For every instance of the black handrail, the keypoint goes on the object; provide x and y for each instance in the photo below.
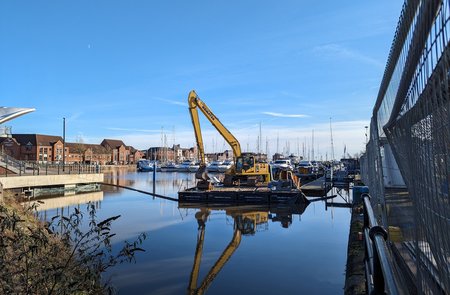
(379, 270)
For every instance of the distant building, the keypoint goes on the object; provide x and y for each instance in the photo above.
(48, 148)
(118, 150)
(135, 155)
(226, 155)
(33, 147)
(172, 154)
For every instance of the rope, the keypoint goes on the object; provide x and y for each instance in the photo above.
(141, 191)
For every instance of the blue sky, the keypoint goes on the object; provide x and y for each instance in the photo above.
(123, 69)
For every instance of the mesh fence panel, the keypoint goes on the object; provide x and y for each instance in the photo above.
(412, 111)
(421, 139)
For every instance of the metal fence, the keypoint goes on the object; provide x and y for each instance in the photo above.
(412, 116)
(377, 259)
(13, 167)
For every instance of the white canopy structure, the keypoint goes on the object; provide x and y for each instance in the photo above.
(7, 113)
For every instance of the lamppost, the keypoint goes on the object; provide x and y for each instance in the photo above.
(64, 142)
(366, 133)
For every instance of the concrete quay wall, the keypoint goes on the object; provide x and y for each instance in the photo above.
(49, 180)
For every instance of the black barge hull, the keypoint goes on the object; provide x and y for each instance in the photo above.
(242, 196)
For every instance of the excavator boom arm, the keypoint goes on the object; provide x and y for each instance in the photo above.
(194, 102)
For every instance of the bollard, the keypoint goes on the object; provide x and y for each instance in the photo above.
(154, 177)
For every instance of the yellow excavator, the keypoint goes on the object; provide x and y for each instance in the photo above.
(245, 223)
(246, 170)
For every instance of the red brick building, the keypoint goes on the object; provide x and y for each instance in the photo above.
(173, 154)
(118, 151)
(47, 148)
(33, 147)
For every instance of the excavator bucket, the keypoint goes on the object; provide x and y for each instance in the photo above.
(201, 173)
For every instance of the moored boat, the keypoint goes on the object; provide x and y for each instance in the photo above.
(214, 167)
(225, 166)
(144, 165)
(169, 167)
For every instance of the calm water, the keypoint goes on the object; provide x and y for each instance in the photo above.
(258, 250)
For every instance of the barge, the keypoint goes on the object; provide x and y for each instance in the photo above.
(244, 195)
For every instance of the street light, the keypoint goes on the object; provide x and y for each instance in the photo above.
(64, 142)
(366, 133)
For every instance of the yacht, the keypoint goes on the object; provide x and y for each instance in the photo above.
(214, 167)
(284, 164)
(144, 165)
(169, 167)
(194, 167)
(225, 166)
(184, 166)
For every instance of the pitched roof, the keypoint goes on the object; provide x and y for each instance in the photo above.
(112, 143)
(36, 139)
(132, 149)
(47, 139)
(97, 148)
(77, 147)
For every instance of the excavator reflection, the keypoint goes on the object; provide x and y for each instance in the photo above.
(247, 221)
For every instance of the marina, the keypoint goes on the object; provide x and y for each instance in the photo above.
(173, 227)
(270, 154)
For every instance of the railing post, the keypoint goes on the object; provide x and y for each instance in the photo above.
(6, 170)
(379, 273)
(378, 276)
(46, 168)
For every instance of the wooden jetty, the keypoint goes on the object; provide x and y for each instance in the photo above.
(247, 195)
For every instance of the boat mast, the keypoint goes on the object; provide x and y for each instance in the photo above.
(332, 148)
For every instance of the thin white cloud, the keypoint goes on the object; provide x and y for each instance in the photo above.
(171, 101)
(336, 50)
(74, 116)
(273, 114)
(134, 130)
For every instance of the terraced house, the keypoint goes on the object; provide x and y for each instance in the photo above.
(49, 148)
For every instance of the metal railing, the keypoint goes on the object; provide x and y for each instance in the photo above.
(9, 163)
(14, 167)
(378, 263)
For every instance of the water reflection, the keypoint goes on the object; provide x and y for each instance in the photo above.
(61, 202)
(167, 183)
(222, 249)
(247, 221)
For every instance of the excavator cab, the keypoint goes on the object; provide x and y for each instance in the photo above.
(250, 171)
